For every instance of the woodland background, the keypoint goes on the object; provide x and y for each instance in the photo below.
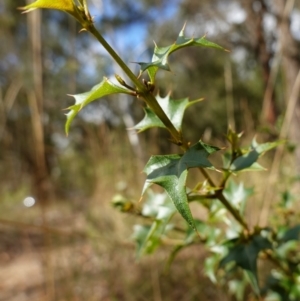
(71, 244)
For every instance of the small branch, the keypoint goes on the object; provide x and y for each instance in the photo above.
(232, 210)
(276, 262)
(207, 177)
(141, 90)
(219, 195)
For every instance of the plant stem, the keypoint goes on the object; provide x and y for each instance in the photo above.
(232, 210)
(116, 57)
(154, 105)
(141, 89)
(219, 195)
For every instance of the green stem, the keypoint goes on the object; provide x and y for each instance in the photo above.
(232, 210)
(219, 195)
(154, 105)
(116, 57)
(141, 89)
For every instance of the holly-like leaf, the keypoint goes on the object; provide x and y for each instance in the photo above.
(161, 54)
(170, 172)
(191, 236)
(161, 208)
(279, 285)
(237, 194)
(174, 109)
(291, 234)
(251, 156)
(245, 253)
(140, 234)
(106, 87)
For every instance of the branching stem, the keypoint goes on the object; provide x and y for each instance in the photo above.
(154, 105)
(219, 195)
(141, 89)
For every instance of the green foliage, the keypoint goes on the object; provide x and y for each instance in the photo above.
(174, 109)
(244, 251)
(234, 245)
(106, 87)
(159, 208)
(252, 155)
(161, 54)
(170, 172)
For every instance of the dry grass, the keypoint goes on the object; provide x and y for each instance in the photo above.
(81, 249)
(89, 257)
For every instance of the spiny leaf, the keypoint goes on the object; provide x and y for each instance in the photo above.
(237, 194)
(245, 253)
(140, 234)
(174, 109)
(106, 87)
(161, 54)
(191, 235)
(251, 156)
(162, 209)
(291, 234)
(170, 172)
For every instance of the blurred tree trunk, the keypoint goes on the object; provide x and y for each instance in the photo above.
(256, 11)
(291, 65)
(41, 178)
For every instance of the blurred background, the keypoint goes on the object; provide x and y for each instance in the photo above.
(60, 238)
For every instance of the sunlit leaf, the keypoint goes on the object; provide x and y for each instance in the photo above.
(170, 172)
(140, 234)
(106, 87)
(191, 235)
(237, 194)
(161, 54)
(160, 207)
(174, 109)
(67, 6)
(251, 156)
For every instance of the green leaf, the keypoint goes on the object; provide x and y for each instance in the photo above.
(264, 147)
(245, 253)
(174, 109)
(252, 279)
(191, 235)
(277, 283)
(291, 234)
(152, 239)
(161, 54)
(256, 150)
(170, 172)
(106, 87)
(162, 209)
(140, 234)
(245, 160)
(237, 194)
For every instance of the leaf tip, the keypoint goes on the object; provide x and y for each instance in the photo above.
(25, 10)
